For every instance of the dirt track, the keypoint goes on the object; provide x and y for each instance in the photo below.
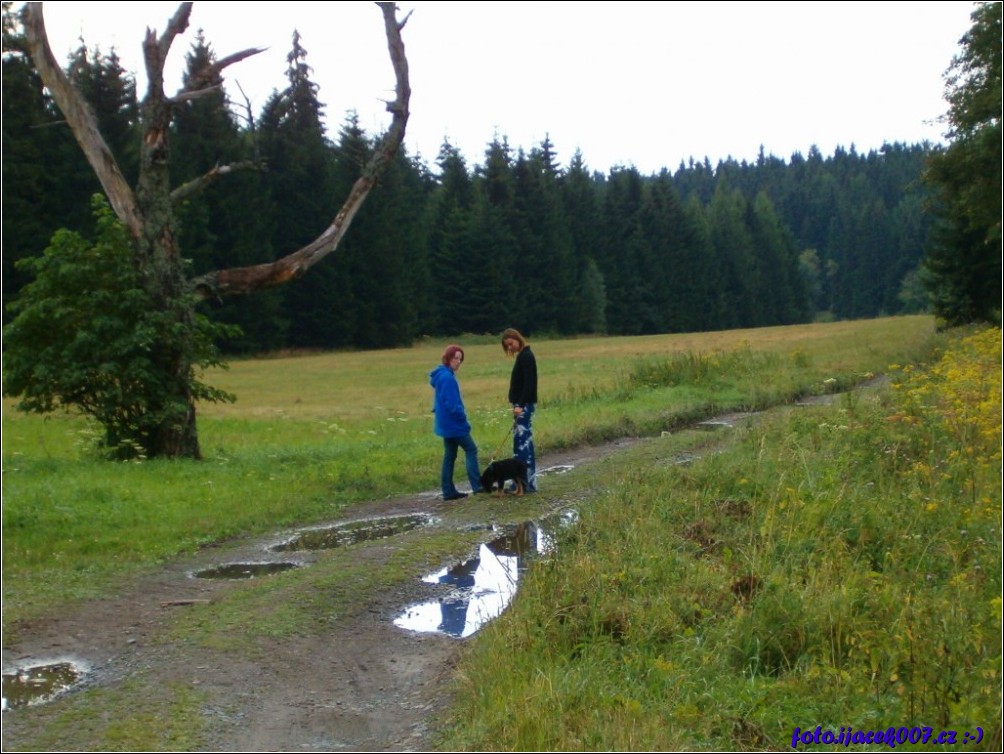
(359, 684)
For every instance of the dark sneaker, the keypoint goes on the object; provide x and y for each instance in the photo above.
(455, 496)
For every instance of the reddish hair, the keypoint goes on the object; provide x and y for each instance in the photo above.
(450, 352)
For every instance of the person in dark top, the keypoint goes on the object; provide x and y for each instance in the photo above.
(523, 399)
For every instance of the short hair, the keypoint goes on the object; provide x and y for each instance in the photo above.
(450, 352)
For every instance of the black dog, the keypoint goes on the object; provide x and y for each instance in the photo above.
(500, 472)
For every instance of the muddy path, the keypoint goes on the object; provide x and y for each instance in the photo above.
(349, 680)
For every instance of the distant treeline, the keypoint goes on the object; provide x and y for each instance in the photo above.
(517, 239)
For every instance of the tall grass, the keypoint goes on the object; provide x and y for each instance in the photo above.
(310, 435)
(832, 566)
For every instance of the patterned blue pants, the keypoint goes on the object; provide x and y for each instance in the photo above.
(522, 444)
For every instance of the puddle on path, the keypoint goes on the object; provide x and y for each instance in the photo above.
(37, 684)
(351, 533)
(728, 421)
(484, 585)
(244, 570)
(561, 469)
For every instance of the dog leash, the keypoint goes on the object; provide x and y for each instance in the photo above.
(506, 437)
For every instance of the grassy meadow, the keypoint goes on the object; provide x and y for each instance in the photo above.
(826, 565)
(831, 567)
(311, 434)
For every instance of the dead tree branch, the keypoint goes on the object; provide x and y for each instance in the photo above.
(155, 50)
(208, 79)
(81, 119)
(242, 280)
(196, 185)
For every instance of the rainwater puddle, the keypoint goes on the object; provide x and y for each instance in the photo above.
(562, 469)
(728, 421)
(481, 587)
(243, 570)
(351, 533)
(714, 424)
(38, 684)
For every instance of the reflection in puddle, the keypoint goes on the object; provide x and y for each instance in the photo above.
(243, 570)
(38, 684)
(483, 586)
(351, 533)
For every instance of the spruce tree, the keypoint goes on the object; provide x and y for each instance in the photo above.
(623, 250)
(36, 199)
(683, 265)
(784, 296)
(301, 190)
(227, 224)
(449, 213)
(384, 254)
(545, 249)
(733, 248)
(495, 293)
(964, 262)
(580, 199)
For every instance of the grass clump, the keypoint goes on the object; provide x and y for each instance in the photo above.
(830, 566)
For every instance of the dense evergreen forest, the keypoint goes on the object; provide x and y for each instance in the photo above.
(475, 244)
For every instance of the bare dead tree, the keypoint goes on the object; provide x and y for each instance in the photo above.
(147, 212)
(85, 129)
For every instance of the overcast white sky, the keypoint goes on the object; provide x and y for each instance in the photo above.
(629, 83)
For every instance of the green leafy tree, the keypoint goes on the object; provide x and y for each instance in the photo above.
(86, 335)
(149, 215)
(963, 266)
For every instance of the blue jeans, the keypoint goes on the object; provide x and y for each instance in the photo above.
(522, 444)
(450, 446)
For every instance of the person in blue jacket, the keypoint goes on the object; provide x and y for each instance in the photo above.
(451, 423)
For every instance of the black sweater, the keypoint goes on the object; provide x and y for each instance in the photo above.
(523, 383)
